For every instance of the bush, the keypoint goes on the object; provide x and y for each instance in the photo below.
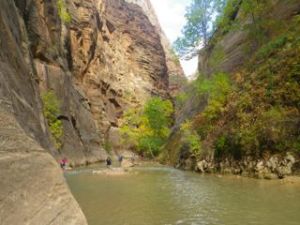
(63, 11)
(51, 112)
(226, 19)
(147, 129)
(107, 146)
(270, 47)
(181, 99)
(225, 146)
(217, 90)
(191, 138)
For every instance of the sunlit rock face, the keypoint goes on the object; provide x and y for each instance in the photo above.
(107, 58)
(176, 74)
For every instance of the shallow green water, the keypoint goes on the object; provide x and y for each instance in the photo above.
(165, 196)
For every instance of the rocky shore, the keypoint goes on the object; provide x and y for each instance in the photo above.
(273, 167)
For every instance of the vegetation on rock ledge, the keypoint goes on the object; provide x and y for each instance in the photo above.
(63, 13)
(51, 109)
(256, 110)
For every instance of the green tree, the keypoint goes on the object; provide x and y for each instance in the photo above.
(200, 16)
(158, 113)
(227, 15)
(148, 128)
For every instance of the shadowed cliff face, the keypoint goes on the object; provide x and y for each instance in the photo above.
(33, 190)
(228, 52)
(106, 58)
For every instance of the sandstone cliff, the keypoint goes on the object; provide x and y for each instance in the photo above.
(108, 57)
(176, 74)
(99, 57)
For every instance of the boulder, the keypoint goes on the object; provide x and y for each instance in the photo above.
(202, 166)
(126, 163)
(273, 163)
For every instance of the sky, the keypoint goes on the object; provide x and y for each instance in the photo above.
(171, 17)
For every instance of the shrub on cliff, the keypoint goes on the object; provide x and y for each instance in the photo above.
(190, 137)
(261, 114)
(63, 13)
(146, 129)
(51, 111)
(216, 90)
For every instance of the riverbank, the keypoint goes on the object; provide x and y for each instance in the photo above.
(272, 167)
(283, 167)
(117, 170)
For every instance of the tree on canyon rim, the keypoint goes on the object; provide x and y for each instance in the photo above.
(200, 17)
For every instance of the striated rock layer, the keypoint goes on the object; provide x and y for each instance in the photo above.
(99, 57)
(176, 74)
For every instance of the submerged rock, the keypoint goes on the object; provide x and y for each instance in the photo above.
(127, 163)
(111, 171)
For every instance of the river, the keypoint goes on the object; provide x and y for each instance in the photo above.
(157, 195)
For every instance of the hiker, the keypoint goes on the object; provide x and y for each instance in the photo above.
(132, 158)
(120, 159)
(63, 163)
(108, 162)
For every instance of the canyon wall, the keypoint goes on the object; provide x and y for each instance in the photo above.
(176, 74)
(98, 58)
(251, 128)
(107, 58)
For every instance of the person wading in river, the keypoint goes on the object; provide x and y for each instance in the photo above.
(120, 159)
(108, 162)
(63, 163)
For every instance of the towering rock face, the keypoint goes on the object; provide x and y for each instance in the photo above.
(108, 57)
(99, 57)
(176, 74)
